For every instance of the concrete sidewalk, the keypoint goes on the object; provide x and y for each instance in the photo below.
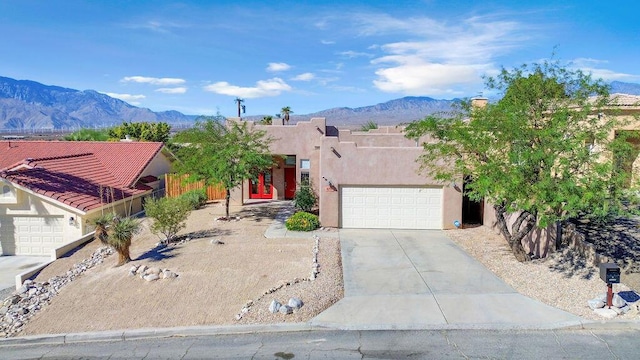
(277, 229)
(419, 279)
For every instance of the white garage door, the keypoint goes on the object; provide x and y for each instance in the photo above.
(391, 207)
(30, 235)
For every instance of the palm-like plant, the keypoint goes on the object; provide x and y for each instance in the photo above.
(121, 233)
(267, 120)
(101, 223)
(285, 113)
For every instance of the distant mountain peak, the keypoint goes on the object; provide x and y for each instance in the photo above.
(26, 104)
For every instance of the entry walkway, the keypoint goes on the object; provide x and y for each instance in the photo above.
(419, 279)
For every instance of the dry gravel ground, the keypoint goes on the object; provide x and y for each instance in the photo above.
(214, 283)
(562, 280)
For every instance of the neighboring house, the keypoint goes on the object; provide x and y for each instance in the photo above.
(362, 179)
(50, 190)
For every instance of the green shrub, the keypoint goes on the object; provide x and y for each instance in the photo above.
(169, 215)
(305, 199)
(195, 198)
(302, 221)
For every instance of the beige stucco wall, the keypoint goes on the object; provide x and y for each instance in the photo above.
(29, 204)
(380, 157)
(353, 165)
(302, 140)
(158, 166)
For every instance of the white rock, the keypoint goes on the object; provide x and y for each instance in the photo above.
(285, 309)
(168, 274)
(606, 313)
(275, 306)
(141, 269)
(133, 269)
(618, 301)
(151, 277)
(595, 304)
(295, 303)
(153, 270)
(621, 310)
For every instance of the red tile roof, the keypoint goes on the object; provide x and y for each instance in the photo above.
(79, 174)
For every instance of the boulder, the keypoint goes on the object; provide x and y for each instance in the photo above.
(295, 303)
(141, 269)
(168, 274)
(606, 313)
(275, 306)
(285, 309)
(153, 270)
(151, 277)
(618, 301)
(595, 304)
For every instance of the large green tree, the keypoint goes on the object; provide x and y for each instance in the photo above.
(220, 153)
(542, 154)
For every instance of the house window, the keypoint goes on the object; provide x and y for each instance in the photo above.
(305, 165)
(290, 160)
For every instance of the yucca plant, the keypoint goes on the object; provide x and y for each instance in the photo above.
(101, 223)
(120, 235)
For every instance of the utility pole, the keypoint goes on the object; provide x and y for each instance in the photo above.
(240, 106)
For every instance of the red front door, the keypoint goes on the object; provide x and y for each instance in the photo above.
(289, 183)
(262, 187)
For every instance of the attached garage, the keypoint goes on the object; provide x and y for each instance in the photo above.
(30, 235)
(391, 207)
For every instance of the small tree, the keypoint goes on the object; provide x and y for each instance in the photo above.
(267, 120)
(168, 214)
(223, 154)
(529, 154)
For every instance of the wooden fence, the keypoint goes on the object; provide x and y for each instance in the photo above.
(175, 186)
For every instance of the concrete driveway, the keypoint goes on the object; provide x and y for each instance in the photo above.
(10, 266)
(419, 279)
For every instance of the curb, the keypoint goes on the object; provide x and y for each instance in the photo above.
(189, 331)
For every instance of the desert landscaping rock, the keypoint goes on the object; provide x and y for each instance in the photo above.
(295, 303)
(274, 306)
(595, 304)
(32, 296)
(285, 309)
(606, 313)
(106, 298)
(151, 277)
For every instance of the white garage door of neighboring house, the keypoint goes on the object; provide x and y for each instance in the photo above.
(391, 207)
(30, 235)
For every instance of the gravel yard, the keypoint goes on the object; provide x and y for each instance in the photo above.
(562, 280)
(215, 280)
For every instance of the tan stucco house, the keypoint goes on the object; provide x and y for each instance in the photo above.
(49, 190)
(363, 179)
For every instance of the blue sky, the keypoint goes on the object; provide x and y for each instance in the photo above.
(198, 56)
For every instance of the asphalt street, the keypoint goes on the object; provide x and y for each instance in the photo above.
(341, 344)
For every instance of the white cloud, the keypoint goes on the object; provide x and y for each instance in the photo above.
(354, 54)
(304, 77)
(176, 90)
(327, 42)
(131, 99)
(263, 88)
(593, 66)
(275, 67)
(153, 80)
(443, 59)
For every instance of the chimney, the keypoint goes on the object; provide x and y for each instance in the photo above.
(479, 101)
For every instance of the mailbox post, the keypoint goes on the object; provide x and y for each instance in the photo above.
(610, 273)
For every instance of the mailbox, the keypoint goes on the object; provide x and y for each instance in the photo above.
(610, 273)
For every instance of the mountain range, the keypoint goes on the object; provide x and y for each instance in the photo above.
(26, 104)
